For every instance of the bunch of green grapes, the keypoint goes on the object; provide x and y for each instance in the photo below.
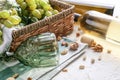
(34, 10)
(9, 18)
(46, 7)
(1, 37)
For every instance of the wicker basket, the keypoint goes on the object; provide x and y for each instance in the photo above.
(60, 24)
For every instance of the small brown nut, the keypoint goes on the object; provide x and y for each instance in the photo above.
(81, 67)
(93, 44)
(59, 38)
(10, 78)
(63, 43)
(64, 70)
(101, 49)
(29, 78)
(77, 34)
(66, 44)
(74, 46)
(98, 48)
(94, 48)
(99, 59)
(109, 51)
(15, 75)
(84, 58)
(64, 52)
(92, 61)
(71, 46)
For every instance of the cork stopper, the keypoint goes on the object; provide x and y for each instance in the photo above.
(85, 39)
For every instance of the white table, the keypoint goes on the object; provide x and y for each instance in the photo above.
(106, 69)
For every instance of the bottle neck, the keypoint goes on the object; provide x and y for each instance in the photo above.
(93, 24)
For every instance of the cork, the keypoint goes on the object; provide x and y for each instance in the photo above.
(85, 39)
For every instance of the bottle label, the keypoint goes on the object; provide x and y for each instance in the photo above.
(113, 32)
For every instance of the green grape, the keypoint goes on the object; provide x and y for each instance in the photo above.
(1, 41)
(36, 13)
(2, 21)
(4, 14)
(43, 2)
(47, 7)
(8, 23)
(0, 15)
(30, 2)
(1, 33)
(55, 12)
(23, 5)
(14, 19)
(39, 6)
(25, 12)
(34, 19)
(33, 7)
(41, 11)
(18, 18)
(19, 1)
(48, 13)
(37, 2)
(46, 1)
(13, 11)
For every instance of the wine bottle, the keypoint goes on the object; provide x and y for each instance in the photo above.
(107, 26)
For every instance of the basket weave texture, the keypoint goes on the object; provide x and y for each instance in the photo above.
(60, 24)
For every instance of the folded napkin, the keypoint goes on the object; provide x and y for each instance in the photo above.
(7, 39)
